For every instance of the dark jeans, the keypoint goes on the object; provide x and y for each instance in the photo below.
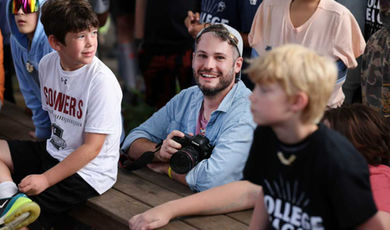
(161, 72)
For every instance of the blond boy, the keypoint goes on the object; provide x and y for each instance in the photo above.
(312, 177)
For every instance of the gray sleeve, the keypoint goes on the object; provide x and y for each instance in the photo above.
(100, 6)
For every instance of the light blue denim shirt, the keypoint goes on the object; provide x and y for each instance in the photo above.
(230, 130)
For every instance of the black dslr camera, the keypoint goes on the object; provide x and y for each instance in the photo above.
(194, 149)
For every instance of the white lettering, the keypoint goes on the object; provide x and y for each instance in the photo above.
(269, 203)
(296, 216)
(286, 213)
(278, 208)
(276, 223)
(305, 221)
(287, 227)
(316, 223)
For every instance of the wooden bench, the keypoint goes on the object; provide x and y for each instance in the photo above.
(134, 192)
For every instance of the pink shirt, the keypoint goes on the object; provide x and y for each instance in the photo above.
(380, 185)
(331, 31)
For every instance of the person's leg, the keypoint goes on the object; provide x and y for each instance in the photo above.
(16, 209)
(6, 165)
(184, 73)
(9, 72)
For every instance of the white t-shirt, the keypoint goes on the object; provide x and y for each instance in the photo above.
(87, 100)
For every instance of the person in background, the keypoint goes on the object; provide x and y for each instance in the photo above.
(369, 132)
(351, 87)
(9, 70)
(166, 50)
(28, 45)
(375, 72)
(123, 15)
(323, 25)
(1, 71)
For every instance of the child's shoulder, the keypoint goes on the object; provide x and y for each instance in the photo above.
(336, 148)
(48, 59)
(100, 71)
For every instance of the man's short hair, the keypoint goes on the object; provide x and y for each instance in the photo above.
(62, 16)
(225, 33)
(297, 69)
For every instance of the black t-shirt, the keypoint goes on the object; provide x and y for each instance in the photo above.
(326, 186)
(373, 18)
(165, 31)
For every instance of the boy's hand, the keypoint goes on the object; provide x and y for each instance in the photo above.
(33, 184)
(151, 219)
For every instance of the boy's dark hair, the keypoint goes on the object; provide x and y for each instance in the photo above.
(365, 128)
(62, 16)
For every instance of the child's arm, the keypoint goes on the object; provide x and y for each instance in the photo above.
(259, 218)
(230, 197)
(376, 222)
(35, 184)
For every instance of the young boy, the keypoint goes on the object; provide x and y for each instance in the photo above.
(312, 177)
(82, 97)
(28, 45)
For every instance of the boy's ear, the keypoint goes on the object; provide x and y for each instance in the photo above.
(299, 101)
(54, 43)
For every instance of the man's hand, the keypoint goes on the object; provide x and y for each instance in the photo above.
(192, 23)
(151, 219)
(34, 184)
(159, 167)
(169, 147)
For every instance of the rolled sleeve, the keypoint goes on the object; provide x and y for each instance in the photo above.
(153, 129)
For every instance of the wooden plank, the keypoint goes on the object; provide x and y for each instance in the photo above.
(11, 129)
(121, 207)
(242, 216)
(153, 195)
(16, 113)
(143, 190)
(163, 181)
(95, 219)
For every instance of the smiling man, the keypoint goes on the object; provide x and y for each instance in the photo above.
(217, 108)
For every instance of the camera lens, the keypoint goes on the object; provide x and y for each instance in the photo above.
(181, 162)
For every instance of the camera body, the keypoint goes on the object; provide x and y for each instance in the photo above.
(194, 149)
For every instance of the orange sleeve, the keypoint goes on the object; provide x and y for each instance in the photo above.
(1, 69)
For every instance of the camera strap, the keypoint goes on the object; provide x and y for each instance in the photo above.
(146, 158)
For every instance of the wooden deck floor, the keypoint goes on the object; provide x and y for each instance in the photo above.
(133, 193)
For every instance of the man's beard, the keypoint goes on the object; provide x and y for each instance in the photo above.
(223, 83)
